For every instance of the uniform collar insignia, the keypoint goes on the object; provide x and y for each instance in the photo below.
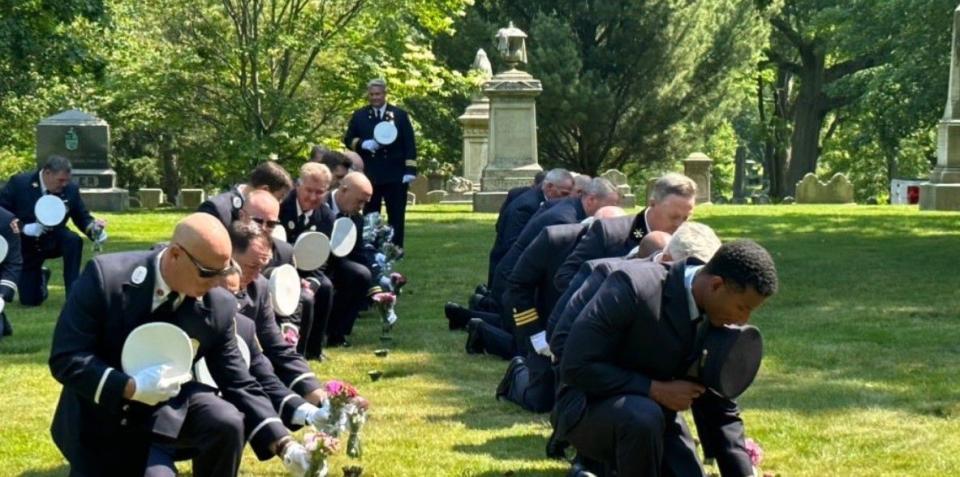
(638, 233)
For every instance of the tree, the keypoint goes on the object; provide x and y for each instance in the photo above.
(619, 74)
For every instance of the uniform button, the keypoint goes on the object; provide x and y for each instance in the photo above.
(123, 422)
(126, 407)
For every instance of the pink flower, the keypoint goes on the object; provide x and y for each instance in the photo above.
(398, 280)
(336, 388)
(754, 451)
(291, 336)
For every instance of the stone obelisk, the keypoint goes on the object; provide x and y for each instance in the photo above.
(943, 190)
(512, 149)
(475, 122)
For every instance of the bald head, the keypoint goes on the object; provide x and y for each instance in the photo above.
(261, 204)
(652, 243)
(200, 242)
(354, 192)
(609, 212)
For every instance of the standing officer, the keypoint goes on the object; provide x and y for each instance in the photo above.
(9, 266)
(40, 243)
(109, 422)
(390, 167)
(626, 357)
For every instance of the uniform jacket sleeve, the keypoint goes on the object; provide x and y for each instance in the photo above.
(721, 433)
(522, 283)
(595, 338)
(13, 263)
(589, 247)
(351, 138)
(290, 367)
(73, 360)
(409, 143)
(285, 401)
(227, 367)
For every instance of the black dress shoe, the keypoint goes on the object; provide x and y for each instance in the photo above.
(5, 326)
(457, 316)
(504, 387)
(474, 339)
(578, 470)
(556, 448)
(338, 342)
(482, 290)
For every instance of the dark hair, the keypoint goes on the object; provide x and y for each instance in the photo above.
(56, 164)
(537, 179)
(334, 159)
(270, 175)
(316, 152)
(744, 263)
(245, 232)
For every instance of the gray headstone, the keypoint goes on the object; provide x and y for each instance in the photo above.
(76, 135)
(191, 198)
(150, 198)
(811, 191)
(419, 187)
(434, 197)
(788, 200)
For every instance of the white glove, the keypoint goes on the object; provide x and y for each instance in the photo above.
(539, 342)
(102, 237)
(370, 145)
(34, 230)
(153, 385)
(309, 414)
(2, 304)
(296, 459)
(408, 178)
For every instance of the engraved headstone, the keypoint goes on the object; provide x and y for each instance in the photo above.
(619, 179)
(84, 140)
(419, 187)
(697, 167)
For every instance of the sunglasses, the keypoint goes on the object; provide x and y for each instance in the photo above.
(267, 224)
(205, 272)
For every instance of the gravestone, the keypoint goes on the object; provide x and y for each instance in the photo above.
(811, 190)
(419, 187)
(697, 167)
(512, 150)
(434, 197)
(943, 190)
(411, 198)
(619, 180)
(84, 140)
(150, 198)
(475, 122)
(191, 198)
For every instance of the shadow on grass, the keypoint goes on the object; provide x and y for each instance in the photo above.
(55, 472)
(508, 447)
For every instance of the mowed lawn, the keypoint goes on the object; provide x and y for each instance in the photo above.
(860, 375)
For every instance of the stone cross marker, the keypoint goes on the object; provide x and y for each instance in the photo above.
(943, 190)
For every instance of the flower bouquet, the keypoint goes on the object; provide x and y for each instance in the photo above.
(320, 446)
(385, 302)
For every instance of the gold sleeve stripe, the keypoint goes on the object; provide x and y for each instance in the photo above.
(527, 319)
(523, 314)
(411, 163)
(353, 144)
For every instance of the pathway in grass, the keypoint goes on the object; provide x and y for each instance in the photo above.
(859, 377)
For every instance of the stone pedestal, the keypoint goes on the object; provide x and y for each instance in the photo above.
(85, 140)
(512, 152)
(191, 198)
(697, 167)
(943, 190)
(475, 122)
(150, 198)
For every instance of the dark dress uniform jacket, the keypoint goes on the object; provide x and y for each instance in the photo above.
(96, 429)
(289, 366)
(582, 288)
(356, 253)
(636, 329)
(514, 219)
(613, 237)
(389, 163)
(530, 288)
(10, 266)
(320, 219)
(285, 401)
(225, 206)
(21, 194)
(564, 211)
(499, 248)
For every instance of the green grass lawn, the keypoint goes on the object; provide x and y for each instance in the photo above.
(860, 375)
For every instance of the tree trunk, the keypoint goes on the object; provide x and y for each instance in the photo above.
(171, 174)
(808, 115)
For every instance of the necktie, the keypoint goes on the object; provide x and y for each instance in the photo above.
(168, 306)
(305, 219)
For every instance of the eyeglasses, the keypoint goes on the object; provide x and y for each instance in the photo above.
(267, 224)
(205, 272)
